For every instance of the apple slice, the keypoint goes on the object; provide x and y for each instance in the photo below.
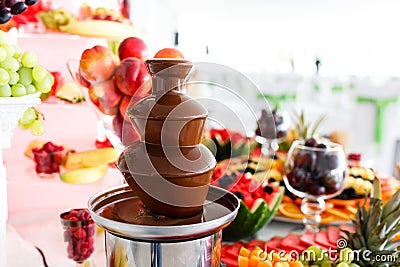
(84, 175)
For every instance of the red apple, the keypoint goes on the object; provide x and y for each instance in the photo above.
(125, 130)
(125, 103)
(58, 81)
(97, 64)
(132, 47)
(169, 53)
(130, 75)
(105, 96)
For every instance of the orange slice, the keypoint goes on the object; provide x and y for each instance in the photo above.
(243, 261)
(343, 202)
(340, 213)
(244, 252)
(291, 210)
(351, 209)
(327, 218)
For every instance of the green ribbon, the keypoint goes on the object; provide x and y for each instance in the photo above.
(277, 99)
(381, 105)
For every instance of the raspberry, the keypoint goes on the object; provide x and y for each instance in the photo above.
(354, 156)
(79, 238)
(80, 233)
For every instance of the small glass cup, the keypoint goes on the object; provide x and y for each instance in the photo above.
(48, 164)
(79, 230)
(314, 173)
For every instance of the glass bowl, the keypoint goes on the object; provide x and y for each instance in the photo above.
(110, 103)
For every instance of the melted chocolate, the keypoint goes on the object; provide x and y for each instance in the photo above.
(132, 210)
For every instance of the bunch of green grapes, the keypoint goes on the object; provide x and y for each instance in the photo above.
(32, 119)
(20, 75)
(315, 257)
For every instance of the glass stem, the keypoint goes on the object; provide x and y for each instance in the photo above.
(312, 209)
(269, 148)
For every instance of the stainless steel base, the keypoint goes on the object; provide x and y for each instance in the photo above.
(203, 252)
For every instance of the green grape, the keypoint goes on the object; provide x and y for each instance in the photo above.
(30, 89)
(4, 77)
(3, 53)
(343, 264)
(23, 126)
(14, 77)
(29, 59)
(314, 253)
(5, 90)
(10, 50)
(29, 116)
(39, 73)
(10, 63)
(354, 265)
(25, 75)
(17, 51)
(346, 255)
(18, 90)
(326, 264)
(37, 127)
(46, 84)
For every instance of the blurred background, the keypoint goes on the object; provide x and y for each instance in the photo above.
(338, 58)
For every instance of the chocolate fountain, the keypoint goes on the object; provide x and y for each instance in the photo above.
(168, 214)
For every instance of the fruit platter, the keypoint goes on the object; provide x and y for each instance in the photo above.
(340, 245)
(241, 161)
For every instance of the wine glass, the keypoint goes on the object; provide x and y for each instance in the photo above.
(78, 230)
(315, 171)
(110, 104)
(273, 127)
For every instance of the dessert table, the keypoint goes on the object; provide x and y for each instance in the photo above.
(36, 203)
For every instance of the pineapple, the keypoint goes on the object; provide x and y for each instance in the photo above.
(306, 130)
(375, 229)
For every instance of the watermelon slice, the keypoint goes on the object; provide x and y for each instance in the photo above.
(273, 244)
(308, 238)
(292, 242)
(333, 235)
(249, 221)
(321, 239)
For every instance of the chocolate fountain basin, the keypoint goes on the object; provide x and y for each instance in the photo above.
(219, 210)
(160, 241)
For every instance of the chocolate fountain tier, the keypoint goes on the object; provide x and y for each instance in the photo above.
(171, 181)
(172, 119)
(119, 211)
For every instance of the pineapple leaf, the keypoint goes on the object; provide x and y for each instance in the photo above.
(392, 220)
(377, 234)
(317, 124)
(361, 219)
(391, 234)
(375, 212)
(376, 189)
(391, 205)
(393, 245)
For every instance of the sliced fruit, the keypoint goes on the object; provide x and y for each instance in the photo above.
(90, 158)
(243, 261)
(291, 210)
(36, 143)
(249, 221)
(101, 28)
(339, 213)
(70, 92)
(84, 175)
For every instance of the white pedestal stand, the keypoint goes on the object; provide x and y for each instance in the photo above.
(11, 109)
